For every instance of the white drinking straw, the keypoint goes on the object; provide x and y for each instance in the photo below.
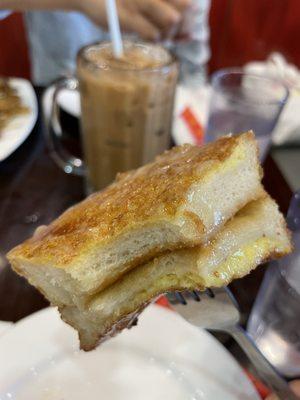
(114, 28)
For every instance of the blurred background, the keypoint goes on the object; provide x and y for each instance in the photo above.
(240, 32)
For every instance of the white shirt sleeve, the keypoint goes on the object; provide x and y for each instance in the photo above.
(193, 49)
(4, 14)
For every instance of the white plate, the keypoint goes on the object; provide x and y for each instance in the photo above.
(162, 358)
(19, 128)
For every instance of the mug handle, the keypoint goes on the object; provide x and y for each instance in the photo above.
(62, 157)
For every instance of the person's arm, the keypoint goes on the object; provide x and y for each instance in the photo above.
(25, 5)
(149, 18)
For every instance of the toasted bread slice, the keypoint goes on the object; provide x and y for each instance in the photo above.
(179, 200)
(256, 234)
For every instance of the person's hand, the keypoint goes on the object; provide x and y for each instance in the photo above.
(151, 19)
(295, 386)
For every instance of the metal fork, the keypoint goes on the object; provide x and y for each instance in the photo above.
(217, 310)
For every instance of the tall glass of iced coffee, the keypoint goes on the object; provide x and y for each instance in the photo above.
(126, 106)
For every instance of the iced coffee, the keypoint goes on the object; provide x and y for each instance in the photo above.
(127, 107)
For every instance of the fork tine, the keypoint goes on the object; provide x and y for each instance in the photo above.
(195, 295)
(180, 298)
(171, 297)
(210, 293)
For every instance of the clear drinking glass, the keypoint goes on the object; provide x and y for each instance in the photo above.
(241, 102)
(274, 322)
(126, 110)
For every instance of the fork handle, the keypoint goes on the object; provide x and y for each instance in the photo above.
(265, 370)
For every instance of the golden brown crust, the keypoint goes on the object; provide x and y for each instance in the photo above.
(194, 218)
(152, 192)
